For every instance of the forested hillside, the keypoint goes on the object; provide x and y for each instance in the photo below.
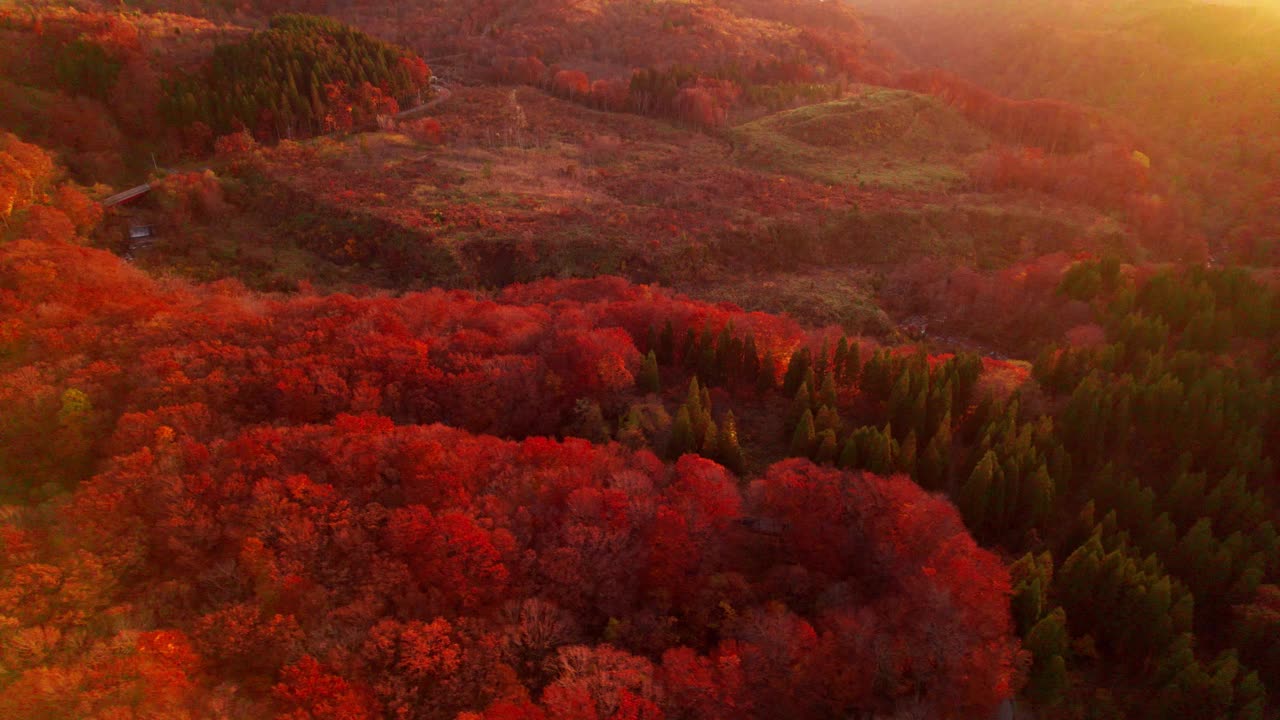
(666, 360)
(258, 493)
(303, 76)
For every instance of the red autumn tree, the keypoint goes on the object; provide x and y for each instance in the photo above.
(451, 555)
(306, 691)
(571, 83)
(49, 224)
(84, 213)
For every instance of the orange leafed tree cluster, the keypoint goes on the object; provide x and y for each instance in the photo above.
(34, 201)
(83, 81)
(573, 83)
(1052, 125)
(1107, 177)
(1009, 306)
(352, 107)
(275, 525)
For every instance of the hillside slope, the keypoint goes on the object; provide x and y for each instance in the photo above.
(608, 37)
(1195, 78)
(673, 361)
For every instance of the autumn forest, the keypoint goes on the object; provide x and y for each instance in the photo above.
(639, 360)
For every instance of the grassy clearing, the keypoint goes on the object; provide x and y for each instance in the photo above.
(820, 296)
(881, 138)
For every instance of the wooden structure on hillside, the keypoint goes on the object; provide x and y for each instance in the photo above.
(127, 195)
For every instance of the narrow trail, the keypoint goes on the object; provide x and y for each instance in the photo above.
(442, 93)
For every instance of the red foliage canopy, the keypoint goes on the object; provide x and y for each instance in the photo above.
(261, 477)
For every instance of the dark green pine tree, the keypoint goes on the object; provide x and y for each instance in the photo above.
(682, 439)
(649, 380)
(797, 369)
(1040, 489)
(1076, 582)
(900, 402)
(976, 494)
(827, 395)
(906, 460)
(698, 402)
(1027, 605)
(707, 369)
(1049, 645)
(917, 422)
(1163, 536)
(799, 406)
(1029, 567)
(804, 438)
(828, 447)
(876, 379)
(1049, 684)
(766, 378)
(710, 445)
(852, 369)
(734, 364)
(693, 400)
(1004, 493)
(1048, 637)
(750, 360)
(317, 102)
(727, 355)
(877, 449)
(849, 454)
(689, 351)
(1250, 697)
(729, 452)
(934, 464)
(839, 358)
(1156, 630)
(826, 419)
(811, 382)
(667, 344)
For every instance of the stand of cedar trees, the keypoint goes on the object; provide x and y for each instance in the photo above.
(303, 76)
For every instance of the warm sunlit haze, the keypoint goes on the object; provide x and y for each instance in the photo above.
(639, 360)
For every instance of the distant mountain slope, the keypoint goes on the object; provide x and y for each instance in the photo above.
(1199, 79)
(598, 35)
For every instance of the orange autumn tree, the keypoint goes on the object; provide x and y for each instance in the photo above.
(35, 200)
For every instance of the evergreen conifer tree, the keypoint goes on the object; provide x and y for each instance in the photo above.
(729, 452)
(649, 380)
(828, 447)
(803, 439)
(682, 438)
